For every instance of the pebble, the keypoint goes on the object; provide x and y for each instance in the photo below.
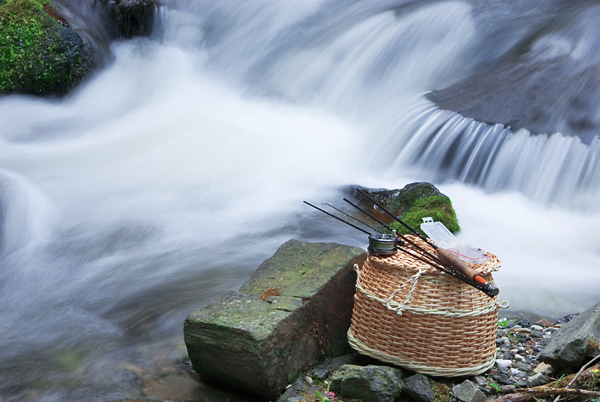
(524, 323)
(537, 380)
(502, 364)
(481, 381)
(518, 345)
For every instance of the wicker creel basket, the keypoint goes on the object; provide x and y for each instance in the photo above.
(412, 315)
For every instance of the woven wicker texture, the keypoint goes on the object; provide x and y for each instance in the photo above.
(412, 315)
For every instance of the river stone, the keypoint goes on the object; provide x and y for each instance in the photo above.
(369, 384)
(418, 388)
(575, 341)
(131, 17)
(466, 391)
(412, 203)
(293, 313)
(537, 380)
(538, 86)
(399, 201)
(50, 63)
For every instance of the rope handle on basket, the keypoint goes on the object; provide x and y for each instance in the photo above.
(401, 307)
(502, 304)
(414, 279)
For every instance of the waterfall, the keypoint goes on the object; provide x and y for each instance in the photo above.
(546, 168)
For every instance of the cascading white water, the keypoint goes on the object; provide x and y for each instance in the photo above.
(547, 168)
(169, 176)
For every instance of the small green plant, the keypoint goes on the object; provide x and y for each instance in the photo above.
(321, 398)
(496, 387)
(555, 383)
(503, 322)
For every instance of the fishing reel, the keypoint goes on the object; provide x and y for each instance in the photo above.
(384, 244)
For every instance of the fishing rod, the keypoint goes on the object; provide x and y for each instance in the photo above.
(384, 209)
(338, 218)
(369, 215)
(447, 257)
(351, 217)
(437, 260)
(449, 271)
(427, 257)
(380, 244)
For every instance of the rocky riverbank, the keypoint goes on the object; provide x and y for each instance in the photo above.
(284, 335)
(274, 331)
(518, 366)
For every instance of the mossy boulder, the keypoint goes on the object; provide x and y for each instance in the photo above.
(39, 53)
(412, 203)
(293, 313)
(437, 207)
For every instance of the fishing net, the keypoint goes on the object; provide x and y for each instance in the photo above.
(415, 316)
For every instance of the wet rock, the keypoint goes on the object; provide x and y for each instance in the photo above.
(523, 366)
(524, 323)
(538, 86)
(290, 395)
(503, 363)
(400, 201)
(576, 341)
(504, 379)
(293, 312)
(566, 319)
(543, 368)
(508, 389)
(320, 373)
(413, 202)
(468, 392)
(481, 381)
(369, 384)
(132, 17)
(537, 380)
(39, 53)
(544, 323)
(418, 388)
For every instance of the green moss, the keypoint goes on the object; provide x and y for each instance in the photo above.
(441, 391)
(300, 269)
(33, 50)
(437, 207)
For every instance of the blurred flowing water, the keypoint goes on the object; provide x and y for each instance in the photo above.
(173, 173)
